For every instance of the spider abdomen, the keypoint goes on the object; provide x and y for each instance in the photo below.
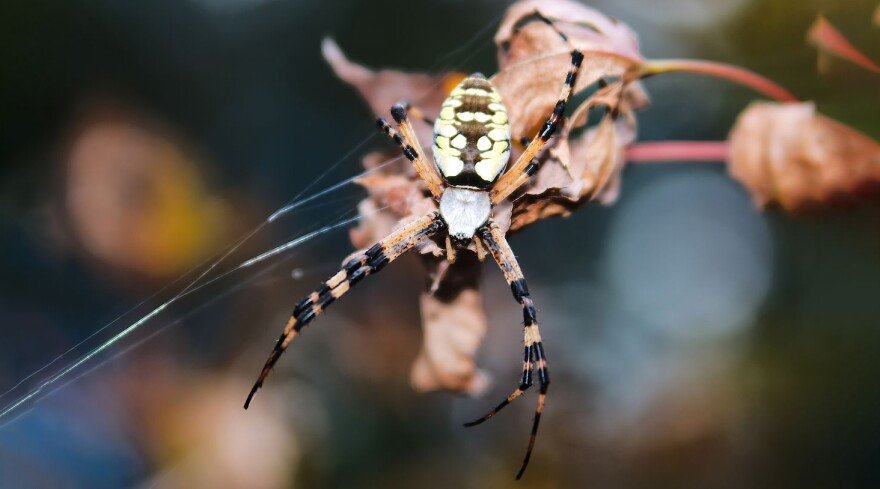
(472, 135)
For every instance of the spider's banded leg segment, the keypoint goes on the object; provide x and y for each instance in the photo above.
(409, 144)
(527, 165)
(426, 169)
(533, 351)
(355, 270)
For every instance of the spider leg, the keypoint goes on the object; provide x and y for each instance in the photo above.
(526, 166)
(533, 352)
(415, 111)
(411, 148)
(355, 270)
(451, 254)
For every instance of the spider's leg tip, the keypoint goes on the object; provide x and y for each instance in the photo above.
(251, 395)
(522, 470)
(398, 112)
(471, 424)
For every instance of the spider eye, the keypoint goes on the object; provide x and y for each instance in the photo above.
(472, 135)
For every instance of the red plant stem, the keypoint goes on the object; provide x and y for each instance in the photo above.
(678, 151)
(721, 70)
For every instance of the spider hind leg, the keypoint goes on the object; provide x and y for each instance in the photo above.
(355, 270)
(533, 349)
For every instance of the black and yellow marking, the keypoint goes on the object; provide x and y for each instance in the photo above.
(407, 149)
(472, 135)
(533, 349)
(355, 270)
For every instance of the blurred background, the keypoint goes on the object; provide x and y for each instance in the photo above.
(694, 341)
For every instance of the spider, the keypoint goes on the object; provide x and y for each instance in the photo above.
(471, 150)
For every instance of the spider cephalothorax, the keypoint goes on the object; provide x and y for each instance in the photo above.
(471, 150)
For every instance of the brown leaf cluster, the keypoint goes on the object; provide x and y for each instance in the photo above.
(787, 154)
(581, 164)
(531, 56)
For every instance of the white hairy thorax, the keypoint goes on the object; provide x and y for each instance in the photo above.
(464, 211)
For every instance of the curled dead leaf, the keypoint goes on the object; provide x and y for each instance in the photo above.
(454, 324)
(789, 155)
(532, 58)
(587, 28)
(597, 159)
(384, 88)
(531, 88)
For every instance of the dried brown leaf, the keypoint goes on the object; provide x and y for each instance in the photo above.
(382, 89)
(597, 159)
(533, 58)
(587, 28)
(454, 324)
(531, 88)
(401, 198)
(787, 154)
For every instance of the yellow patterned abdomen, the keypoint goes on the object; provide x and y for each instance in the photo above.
(472, 135)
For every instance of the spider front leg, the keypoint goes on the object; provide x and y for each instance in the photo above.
(415, 111)
(355, 270)
(533, 351)
(526, 166)
(409, 144)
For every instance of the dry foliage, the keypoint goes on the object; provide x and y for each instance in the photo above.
(782, 153)
(787, 154)
(533, 61)
(791, 156)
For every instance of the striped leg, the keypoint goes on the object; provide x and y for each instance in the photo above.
(533, 351)
(409, 143)
(526, 166)
(355, 270)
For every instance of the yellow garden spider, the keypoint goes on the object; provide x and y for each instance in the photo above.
(471, 149)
